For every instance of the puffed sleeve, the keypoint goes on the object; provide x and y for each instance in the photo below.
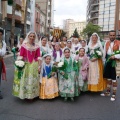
(22, 52)
(37, 56)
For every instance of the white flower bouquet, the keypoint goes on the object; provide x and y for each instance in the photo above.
(20, 65)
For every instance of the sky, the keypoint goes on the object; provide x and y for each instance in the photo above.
(69, 9)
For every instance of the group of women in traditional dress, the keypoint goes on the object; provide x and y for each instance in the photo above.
(82, 70)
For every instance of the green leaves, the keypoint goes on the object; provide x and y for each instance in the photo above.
(75, 34)
(90, 29)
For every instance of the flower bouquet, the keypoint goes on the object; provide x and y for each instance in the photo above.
(97, 54)
(113, 62)
(20, 65)
(61, 67)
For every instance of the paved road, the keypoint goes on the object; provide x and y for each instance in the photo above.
(89, 106)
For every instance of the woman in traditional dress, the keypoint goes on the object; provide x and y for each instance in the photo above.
(2, 65)
(63, 42)
(20, 43)
(69, 88)
(44, 47)
(48, 80)
(27, 87)
(83, 61)
(54, 41)
(96, 82)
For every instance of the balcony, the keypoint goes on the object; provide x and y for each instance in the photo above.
(17, 18)
(94, 16)
(37, 20)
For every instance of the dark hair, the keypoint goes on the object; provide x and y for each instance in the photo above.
(95, 35)
(112, 31)
(1, 30)
(65, 37)
(66, 49)
(55, 38)
(81, 49)
(43, 38)
(83, 41)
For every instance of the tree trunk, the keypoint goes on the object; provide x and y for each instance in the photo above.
(13, 24)
(25, 19)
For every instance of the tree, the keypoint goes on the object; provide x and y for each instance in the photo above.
(25, 19)
(90, 29)
(13, 24)
(76, 34)
(63, 33)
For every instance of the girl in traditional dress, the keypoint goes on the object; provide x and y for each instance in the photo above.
(57, 53)
(28, 86)
(95, 79)
(48, 80)
(84, 45)
(76, 45)
(69, 88)
(83, 69)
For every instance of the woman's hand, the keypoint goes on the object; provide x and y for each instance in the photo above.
(53, 73)
(39, 69)
(62, 73)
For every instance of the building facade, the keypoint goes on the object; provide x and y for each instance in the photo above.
(37, 19)
(73, 25)
(66, 24)
(47, 7)
(103, 13)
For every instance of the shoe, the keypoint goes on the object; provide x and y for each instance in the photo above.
(1, 97)
(113, 98)
(65, 99)
(105, 94)
(72, 99)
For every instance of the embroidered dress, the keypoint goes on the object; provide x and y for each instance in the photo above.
(48, 86)
(69, 87)
(95, 78)
(83, 72)
(28, 86)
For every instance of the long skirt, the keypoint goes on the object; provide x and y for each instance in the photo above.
(69, 87)
(101, 85)
(16, 83)
(83, 84)
(28, 85)
(48, 88)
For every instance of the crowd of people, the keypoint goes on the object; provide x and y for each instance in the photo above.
(66, 67)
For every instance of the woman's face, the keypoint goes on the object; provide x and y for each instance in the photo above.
(54, 39)
(57, 47)
(83, 43)
(94, 39)
(67, 53)
(81, 52)
(44, 41)
(47, 60)
(31, 38)
(76, 41)
(21, 40)
(69, 44)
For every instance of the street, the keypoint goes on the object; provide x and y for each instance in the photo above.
(89, 106)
